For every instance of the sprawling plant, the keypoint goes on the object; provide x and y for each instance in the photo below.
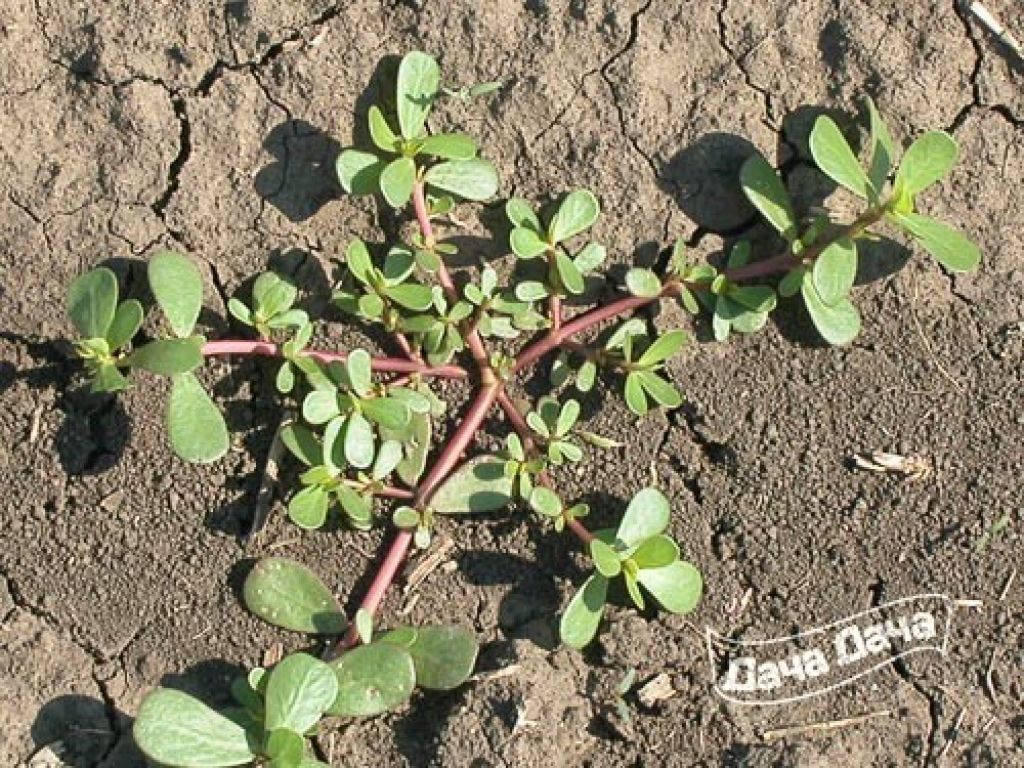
(368, 423)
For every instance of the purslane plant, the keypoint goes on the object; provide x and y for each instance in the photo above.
(368, 424)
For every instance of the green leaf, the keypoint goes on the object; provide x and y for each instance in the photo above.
(358, 261)
(647, 515)
(676, 586)
(443, 657)
(526, 243)
(373, 679)
(636, 400)
(949, 247)
(172, 728)
(396, 181)
(197, 429)
(568, 273)
(289, 595)
(925, 162)
(633, 588)
(359, 368)
(286, 748)
(473, 179)
(577, 212)
(656, 552)
(883, 152)
(412, 296)
(583, 614)
(835, 270)
(643, 282)
(545, 501)
(389, 412)
(479, 485)
(415, 450)
(790, 284)
(359, 441)
(358, 508)
(665, 347)
(320, 406)
(451, 146)
(418, 81)
(168, 356)
(92, 301)
(299, 691)
(756, 298)
(606, 560)
(661, 391)
(308, 508)
(766, 192)
(126, 323)
(521, 214)
(531, 290)
(388, 457)
(590, 257)
(380, 131)
(835, 158)
(178, 289)
(364, 625)
(109, 379)
(302, 443)
(359, 172)
(837, 324)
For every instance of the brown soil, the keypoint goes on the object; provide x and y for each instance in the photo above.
(213, 129)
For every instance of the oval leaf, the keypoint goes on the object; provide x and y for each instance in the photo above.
(92, 301)
(178, 288)
(299, 691)
(473, 179)
(583, 615)
(197, 429)
(359, 172)
(479, 485)
(373, 679)
(443, 657)
(925, 162)
(167, 357)
(289, 595)
(577, 212)
(949, 247)
(396, 181)
(833, 155)
(765, 190)
(126, 323)
(835, 270)
(451, 146)
(647, 515)
(418, 80)
(643, 282)
(837, 324)
(172, 728)
(677, 587)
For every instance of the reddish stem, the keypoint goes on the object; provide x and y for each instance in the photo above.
(384, 364)
(381, 581)
(587, 320)
(555, 310)
(389, 491)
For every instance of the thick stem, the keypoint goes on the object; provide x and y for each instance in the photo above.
(457, 444)
(390, 492)
(383, 364)
(381, 581)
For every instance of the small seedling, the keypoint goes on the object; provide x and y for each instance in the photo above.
(367, 442)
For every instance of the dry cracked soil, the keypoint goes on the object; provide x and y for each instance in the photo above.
(212, 128)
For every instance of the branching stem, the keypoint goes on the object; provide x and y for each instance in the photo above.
(381, 364)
